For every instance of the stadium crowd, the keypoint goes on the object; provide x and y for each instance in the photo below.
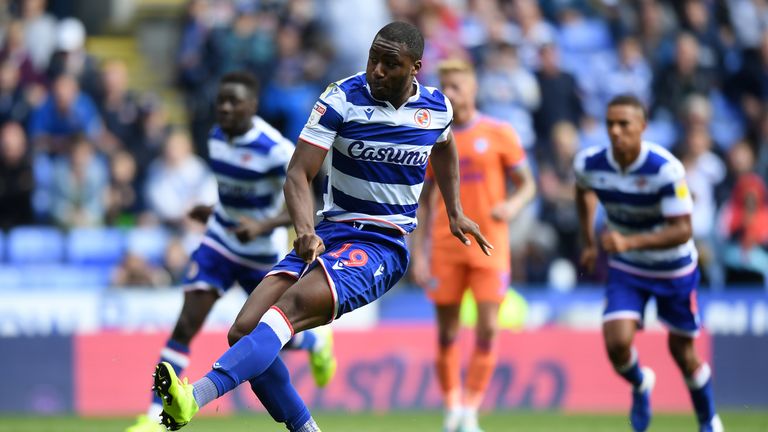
(80, 148)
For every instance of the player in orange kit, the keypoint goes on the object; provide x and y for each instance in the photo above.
(489, 154)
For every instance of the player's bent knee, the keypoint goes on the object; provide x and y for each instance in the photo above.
(235, 334)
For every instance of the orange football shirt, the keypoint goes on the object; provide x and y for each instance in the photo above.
(487, 149)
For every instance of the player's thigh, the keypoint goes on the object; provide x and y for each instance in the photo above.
(449, 282)
(488, 285)
(487, 321)
(678, 306)
(308, 302)
(625, 297)
(264, 296)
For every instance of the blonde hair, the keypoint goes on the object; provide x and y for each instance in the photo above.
(455, 65)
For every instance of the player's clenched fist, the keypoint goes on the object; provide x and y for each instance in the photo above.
(614, 242)
(462, 225)
(308, 247)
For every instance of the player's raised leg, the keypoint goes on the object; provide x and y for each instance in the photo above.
(307, 303)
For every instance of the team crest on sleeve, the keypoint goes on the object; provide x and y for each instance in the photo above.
(422, 118)
(317, 112)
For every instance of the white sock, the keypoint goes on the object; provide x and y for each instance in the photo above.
(452, 419)
(154, 411)
(469, 418)
(700, 377)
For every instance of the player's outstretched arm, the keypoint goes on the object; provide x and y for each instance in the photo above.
(586, 205)
(445, 163)
(302, 169)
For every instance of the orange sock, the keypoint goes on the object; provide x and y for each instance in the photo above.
(481, 367)
(449, 374)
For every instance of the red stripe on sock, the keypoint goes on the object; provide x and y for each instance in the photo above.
(284, 318)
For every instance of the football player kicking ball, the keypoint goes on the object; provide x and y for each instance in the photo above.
(642, 188)
(380, 128)
(489, 154)
(245, 236)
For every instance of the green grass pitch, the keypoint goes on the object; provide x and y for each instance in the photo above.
(747, 421)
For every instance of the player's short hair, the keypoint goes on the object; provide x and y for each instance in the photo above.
(246, 79)
(404, 33)
(628, 100)
(455, 65)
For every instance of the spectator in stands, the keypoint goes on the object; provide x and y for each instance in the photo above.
(123, 200)
(294, 86)
(560, 101)
(507, 91)
(193, 74)
(704, 172)
(177, 181)
(678, 81)
(136, 272)
(558, 188)
(698, 19)
(749, 20)
(80, 183)
(175, 261)
(71, 58)
(248, 44)
(532, 31)
(119, 106)
(744, 225)
(630, 74)
(656, 27)
(40, 31)
(749, 87)
(66, 112)
(16, 53)
(16, 177)
(13, 101)
(761, 147)
(441, 29)
(155, 130)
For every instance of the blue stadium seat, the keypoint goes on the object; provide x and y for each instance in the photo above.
(95, 246)
(65, 276)
(10, 277)
(2, 246)
(33, 244)
(148, 242)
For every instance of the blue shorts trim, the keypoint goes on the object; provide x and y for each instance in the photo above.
(628, 294)
(360, 266)
(208, 269)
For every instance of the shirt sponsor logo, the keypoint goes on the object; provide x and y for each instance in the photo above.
(358, 150)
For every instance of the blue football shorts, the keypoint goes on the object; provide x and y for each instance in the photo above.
(360, 265)
(627, 295)
(209, 268)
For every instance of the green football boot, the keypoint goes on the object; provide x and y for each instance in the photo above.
(179, 405)
(145, 424)
(322, 362)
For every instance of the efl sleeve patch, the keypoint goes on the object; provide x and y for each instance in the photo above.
(317, 112)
